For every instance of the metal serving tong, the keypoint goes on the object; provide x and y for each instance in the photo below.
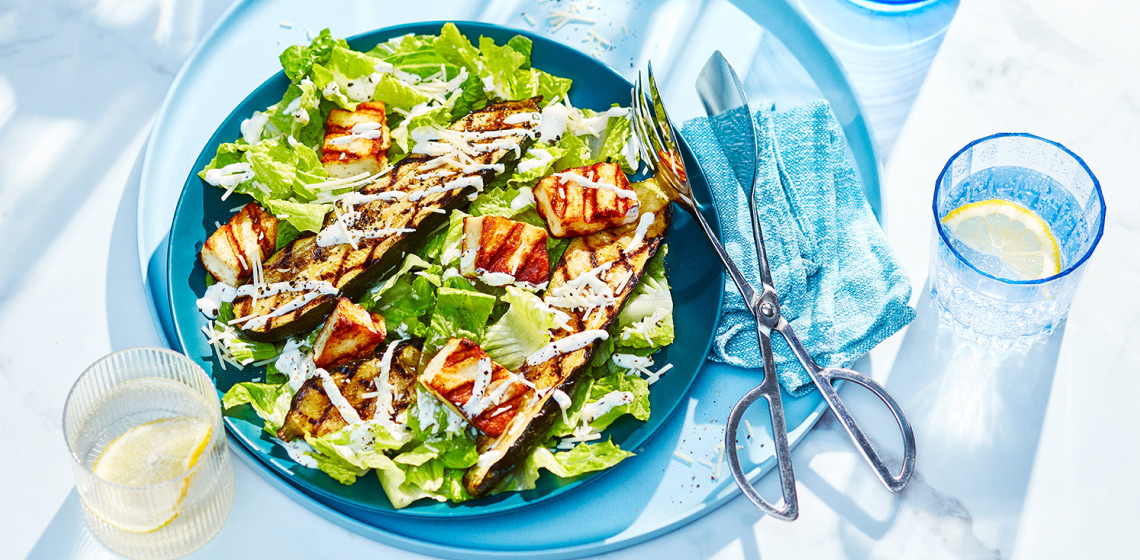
(724, 98)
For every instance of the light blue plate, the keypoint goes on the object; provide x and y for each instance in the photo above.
(694, 273)
(649, 494)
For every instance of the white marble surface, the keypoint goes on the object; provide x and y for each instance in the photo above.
(1022, 455)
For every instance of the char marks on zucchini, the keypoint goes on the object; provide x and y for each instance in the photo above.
(500, 454)
(352, 269)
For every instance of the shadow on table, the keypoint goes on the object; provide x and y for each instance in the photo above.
(977, 415)
(67, 536)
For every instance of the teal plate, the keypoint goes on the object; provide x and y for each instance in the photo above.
(693, 271)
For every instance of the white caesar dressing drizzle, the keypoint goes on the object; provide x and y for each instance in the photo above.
(385, 392)
(455, 184)
(339, 235)
(639, 234)
(312, 289)
(495, 278)
(529, 118)
(220, 292)
(597, 409)
(596, 124)
(540, 160)
(294, 363)
(564, 403)
(554, 121)
(298, 452)
(525, 198)
(570, 177)
(337, 398)
(360, 131)
(477, 403)
(230, 176)
(571, 343)
(252, 127)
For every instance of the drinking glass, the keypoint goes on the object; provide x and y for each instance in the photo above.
(126, 389)
(1038, 174)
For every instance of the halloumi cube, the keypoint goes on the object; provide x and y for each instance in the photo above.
(501, 251)
(356, 141)
(484, 393)
(586, 200)
(229, 252)
(350, 332)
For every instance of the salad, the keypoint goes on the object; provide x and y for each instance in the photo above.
(443, 268)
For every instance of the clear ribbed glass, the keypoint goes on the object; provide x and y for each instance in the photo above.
(973, 293)
(126, 389)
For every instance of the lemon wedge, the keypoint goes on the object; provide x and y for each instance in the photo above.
(147, 455)
(1009, 231)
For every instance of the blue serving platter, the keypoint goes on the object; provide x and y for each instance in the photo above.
(649, 494)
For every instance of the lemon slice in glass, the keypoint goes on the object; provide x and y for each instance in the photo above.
(1009, 231)
(147, 456)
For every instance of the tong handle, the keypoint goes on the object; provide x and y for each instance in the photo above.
(769, 390)
(823, 378)
(789, 511)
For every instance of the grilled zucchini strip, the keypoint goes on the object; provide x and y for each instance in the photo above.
(313, 414)
(626, 260)
(410, 217)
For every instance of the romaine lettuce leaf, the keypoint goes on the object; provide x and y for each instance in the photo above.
(298, 114)
(576, 152)
(615, 143)
(584, 458)
(298, 59)
(646, 321)
(536, 163)
(270, 402)
(521, 331)
(348, 69)
(300, 215)
(404, 298)
(396, 93)
(282, 171)
(458, 313)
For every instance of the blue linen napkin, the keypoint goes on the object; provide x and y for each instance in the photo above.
(840, 284)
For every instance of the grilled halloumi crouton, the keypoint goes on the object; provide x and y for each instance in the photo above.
(501, 251)
(585, 200)
(464, 378)
(229, 252)
(383, 383)
(356, 141)
(349, 332)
